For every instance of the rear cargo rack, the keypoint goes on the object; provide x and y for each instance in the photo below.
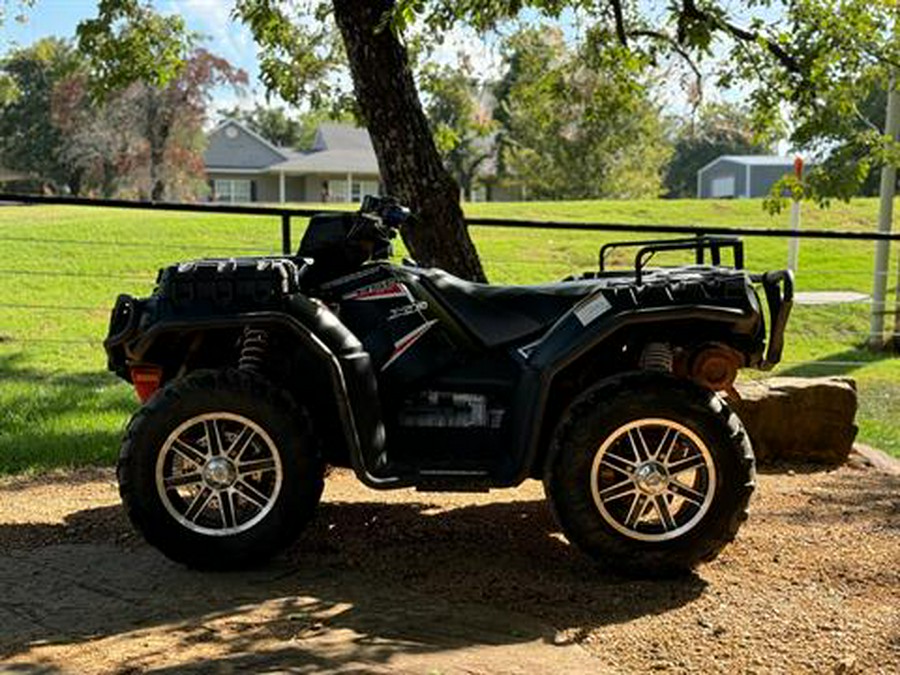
(699, 244)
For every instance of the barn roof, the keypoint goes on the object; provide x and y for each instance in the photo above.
(750, 160)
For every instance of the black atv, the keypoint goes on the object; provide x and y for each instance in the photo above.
(257, 373)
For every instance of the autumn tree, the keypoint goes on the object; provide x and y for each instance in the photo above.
(102, 140)
(30, 143)
(172, 118)
(131, 45)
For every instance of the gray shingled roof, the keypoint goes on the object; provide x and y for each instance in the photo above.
(338, 148)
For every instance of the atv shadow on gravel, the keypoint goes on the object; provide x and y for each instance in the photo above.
(400, 577)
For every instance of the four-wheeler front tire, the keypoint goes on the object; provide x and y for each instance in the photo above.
(219, 470)
(650, 475)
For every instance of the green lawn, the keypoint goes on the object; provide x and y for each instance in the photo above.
(62, 268)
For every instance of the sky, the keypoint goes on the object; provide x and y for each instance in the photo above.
(211, 18)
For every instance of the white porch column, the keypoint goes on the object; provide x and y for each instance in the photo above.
(349, 186)
(281, 187)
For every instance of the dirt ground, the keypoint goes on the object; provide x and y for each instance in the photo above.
(410, 582)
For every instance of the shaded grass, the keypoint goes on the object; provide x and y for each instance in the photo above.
(59, 406)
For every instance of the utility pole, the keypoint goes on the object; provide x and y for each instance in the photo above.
(885, 220)
(794, 242)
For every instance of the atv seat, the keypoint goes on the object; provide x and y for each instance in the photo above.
(498, 315)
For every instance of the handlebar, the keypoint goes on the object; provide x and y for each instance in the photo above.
(388, 209)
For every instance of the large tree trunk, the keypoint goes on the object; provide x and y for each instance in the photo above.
(158, 128)
(409, 162)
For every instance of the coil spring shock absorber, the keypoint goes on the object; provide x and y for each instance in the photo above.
(657, 356)
(254, 346)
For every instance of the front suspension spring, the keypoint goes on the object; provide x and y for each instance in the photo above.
(254, 347)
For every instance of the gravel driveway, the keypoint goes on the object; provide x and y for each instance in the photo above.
(410, 582)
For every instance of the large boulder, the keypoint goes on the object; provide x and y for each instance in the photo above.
(798, 419)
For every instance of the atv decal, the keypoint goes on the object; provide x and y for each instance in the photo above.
(407, 341)
(355, 276)
(592, 308)
(380, 291)
(407, 310)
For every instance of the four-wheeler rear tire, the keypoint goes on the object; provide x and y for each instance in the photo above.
(650, 475)
(219, 470)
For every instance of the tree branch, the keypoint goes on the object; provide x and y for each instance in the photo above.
(788, 61)
(673, 43)
(620, 22)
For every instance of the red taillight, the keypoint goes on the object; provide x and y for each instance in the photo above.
(146, 380)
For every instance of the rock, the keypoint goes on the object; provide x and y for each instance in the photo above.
(798, 419)
(867, 457)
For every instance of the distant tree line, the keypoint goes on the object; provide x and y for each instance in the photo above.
(557, 123)
(554, 125)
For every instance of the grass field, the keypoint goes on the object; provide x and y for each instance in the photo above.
(62, 268)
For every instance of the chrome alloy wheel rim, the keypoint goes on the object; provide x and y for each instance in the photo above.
(653, 479)
(218, 474)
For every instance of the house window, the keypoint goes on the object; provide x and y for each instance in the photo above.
(232, 191)
(361, 188)
(337, 190)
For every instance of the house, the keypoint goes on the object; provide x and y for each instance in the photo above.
(242, 166)
(741, 175)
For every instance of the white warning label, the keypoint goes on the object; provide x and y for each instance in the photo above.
(591, 308)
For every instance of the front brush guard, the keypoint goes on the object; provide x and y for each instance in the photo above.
(779, 289)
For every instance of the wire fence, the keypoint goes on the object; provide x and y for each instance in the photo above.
(80, 252)
(57, 285)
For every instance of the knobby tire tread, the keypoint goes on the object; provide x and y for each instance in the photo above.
(307, 470)
(615, 552)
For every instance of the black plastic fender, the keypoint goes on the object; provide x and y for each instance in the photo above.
(578, 333)
(352, 393)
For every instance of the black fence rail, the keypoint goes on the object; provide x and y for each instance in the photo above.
(287, 214)
(721, 236)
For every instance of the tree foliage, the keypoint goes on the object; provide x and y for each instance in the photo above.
(172, 117)
(128, 41)
(142, 140)
(462, 122)
(805, 65)
(298, 60)
(134, 51)
(101, 140)
(576, 123)
(30, 143)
